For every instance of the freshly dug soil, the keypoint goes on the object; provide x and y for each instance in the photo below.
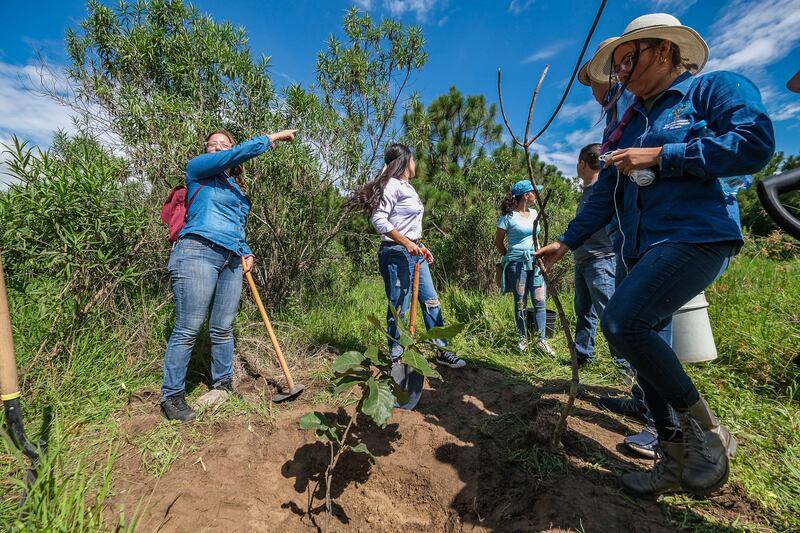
(469, 458)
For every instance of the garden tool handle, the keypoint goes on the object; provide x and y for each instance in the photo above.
(769, 189)
(268, 324)
(412, 326)
(9, 382)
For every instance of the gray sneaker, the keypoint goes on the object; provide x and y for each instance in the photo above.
(522, 344)
(545, 348)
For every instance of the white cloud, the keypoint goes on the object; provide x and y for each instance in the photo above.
(572, 112)
(420, 8)
(785, 112)
(518, 6)
(364, 4)
(749, 40)
(676, 8)
(750, 37)
(547, 52)
(25, 113)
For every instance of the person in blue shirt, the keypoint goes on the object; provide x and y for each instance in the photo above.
(206, 263)
(662, 184)
(521, 276)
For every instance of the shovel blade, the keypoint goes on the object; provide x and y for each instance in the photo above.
(289, 394)
(410, 381)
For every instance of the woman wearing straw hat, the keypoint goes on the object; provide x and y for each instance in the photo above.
(521, 276)
(661, 185)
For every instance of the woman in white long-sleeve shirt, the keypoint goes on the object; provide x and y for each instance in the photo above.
(396, 213)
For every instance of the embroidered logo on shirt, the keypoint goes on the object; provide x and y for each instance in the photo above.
(677, 121)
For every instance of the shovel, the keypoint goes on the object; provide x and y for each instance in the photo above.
(293, 389)
(9, 386)
(409, 379)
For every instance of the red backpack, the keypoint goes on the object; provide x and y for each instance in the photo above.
(176, 208)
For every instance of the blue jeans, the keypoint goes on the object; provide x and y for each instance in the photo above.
(594, 286)
(658, 283)
(206, 278)
(397, 268)
(521, 281)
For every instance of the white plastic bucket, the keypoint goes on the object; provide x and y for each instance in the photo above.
(692, 338)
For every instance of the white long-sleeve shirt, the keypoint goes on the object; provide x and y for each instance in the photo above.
(400, 209)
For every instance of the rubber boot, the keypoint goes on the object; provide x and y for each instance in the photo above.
(664, 478)
(707, 444)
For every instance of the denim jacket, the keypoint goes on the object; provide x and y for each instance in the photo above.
(686, 202)
(219, 211)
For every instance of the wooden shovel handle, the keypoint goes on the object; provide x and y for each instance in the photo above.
(412, 326)
(268, 324)
(9, 384)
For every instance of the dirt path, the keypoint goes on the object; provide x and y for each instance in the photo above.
(465, 460)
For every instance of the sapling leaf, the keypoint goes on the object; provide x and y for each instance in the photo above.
(349, 381)
(401, 395)
(313, 420)
(378, 401)
(362, 448)
(347, 361)
(415, 360)
(372, 354)
(405, 339)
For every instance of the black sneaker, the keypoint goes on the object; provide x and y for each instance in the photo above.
(227, 386)
(176, 408)
(443, 357)
(625, 406)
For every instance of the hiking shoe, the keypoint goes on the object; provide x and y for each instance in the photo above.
(176, 408)
(522, 345)
(545, 348)
(643, 443)
(625, 406)
(227, 386)
(443, 357)
(707, 446)
(664, 478)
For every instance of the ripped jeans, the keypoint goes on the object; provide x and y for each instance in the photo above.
(523, 284)
(397, 268)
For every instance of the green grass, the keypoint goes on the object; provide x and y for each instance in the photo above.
(755, 311)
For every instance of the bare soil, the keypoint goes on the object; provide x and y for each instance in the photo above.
(469, 458)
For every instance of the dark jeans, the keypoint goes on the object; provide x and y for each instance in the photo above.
(594, 286)
(397, 268)
(206, 278)
(657, 285)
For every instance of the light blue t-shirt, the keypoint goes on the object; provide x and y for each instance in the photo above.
(519, 232)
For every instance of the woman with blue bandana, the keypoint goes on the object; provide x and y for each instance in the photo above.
(521, 276)
(663, 183)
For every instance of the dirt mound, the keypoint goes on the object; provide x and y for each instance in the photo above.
(466, 460)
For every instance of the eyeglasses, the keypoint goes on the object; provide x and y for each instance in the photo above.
(223, 146)
(627, 62)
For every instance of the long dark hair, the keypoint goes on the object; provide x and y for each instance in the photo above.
(238, 171)
(396, 159)
(509, 203)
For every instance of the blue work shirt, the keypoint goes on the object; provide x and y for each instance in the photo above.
(686, 202)
(219, 211)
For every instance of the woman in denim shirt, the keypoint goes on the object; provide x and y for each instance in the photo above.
(677, 232)
(520, 275)
(206, 263)
(396, 213)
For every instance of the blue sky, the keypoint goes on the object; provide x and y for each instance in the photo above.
(467, 41)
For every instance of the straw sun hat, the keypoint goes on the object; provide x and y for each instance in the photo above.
(694, 50)
(583, 73)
